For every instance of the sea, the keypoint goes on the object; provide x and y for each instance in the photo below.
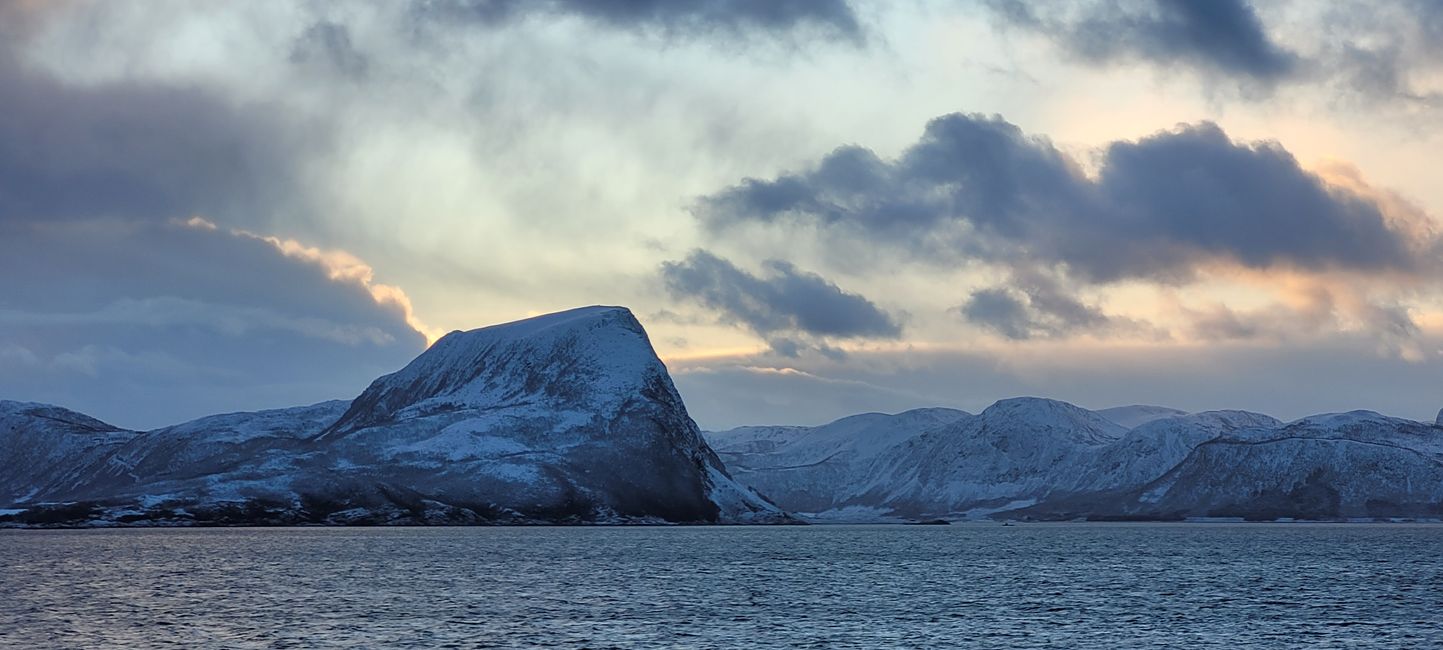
(1063, 585)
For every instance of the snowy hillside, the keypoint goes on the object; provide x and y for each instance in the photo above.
(1017, 449)
(809, 468)
(566, 417)
(44, 448)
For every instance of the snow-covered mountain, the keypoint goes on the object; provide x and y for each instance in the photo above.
(46, 448)
(1039, 458)
(566, 417)
(1344, 465)
(811, 468)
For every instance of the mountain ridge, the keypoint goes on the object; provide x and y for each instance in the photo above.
(1035, 458)
(563, 418)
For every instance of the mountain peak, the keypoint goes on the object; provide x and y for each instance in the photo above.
(1035, 406)
(590, 354)
(1053, 416)
(54, 414)
(580, 317)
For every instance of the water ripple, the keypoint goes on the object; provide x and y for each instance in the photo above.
(983, 586)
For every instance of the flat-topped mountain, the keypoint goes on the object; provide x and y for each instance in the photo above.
(568, 417)
(1044, 459)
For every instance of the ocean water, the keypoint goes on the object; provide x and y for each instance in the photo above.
(984, 585)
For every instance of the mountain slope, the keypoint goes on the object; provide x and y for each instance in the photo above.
(818, 468)
(1017, 449)
(564, 417)
(45, 447)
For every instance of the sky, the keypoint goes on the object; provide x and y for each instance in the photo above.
(815, 207)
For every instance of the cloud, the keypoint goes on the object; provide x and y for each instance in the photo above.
(1221, 36)
(326, 48)
(1217, 35)
(785, 303)
(1000, 310)
(1332, 375)
(1359, 53)
(143, 150)
(340, 266)
(1176, 208)
(977, 187)
(1025, 314)
(149, 323)
(691, 18)
(1033, 305)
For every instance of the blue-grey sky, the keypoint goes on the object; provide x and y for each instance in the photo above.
(816, 207)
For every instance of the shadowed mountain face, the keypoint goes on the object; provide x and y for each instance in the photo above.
(568, 417)
(1037, 458)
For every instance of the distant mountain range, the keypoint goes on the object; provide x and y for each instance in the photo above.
(1032, 458)
(571, 418)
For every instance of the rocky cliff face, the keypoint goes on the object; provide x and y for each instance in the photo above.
(568, 417)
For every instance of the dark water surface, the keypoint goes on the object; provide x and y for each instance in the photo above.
(1024, 586)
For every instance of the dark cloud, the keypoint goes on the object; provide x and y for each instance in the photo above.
(141, 150)
(1002, 311)
(833, 18)
(146, 324)
(976, 187)
(785, 303)
(1194, 191)
(1031, 311)
(1224, 36)
(1032, 305)
(1371, 56)
(326, 48)
(108, 305)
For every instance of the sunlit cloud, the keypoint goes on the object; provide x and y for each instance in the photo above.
(340, 266)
